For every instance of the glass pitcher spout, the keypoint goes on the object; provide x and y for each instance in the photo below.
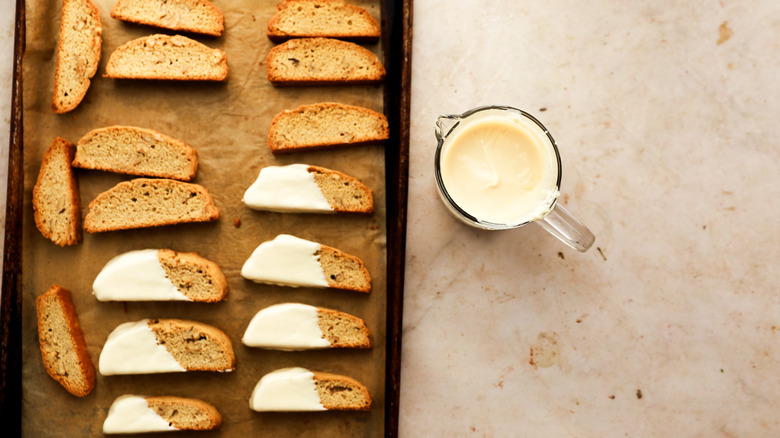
(445, 124)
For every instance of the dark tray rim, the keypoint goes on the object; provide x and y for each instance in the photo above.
(397, 47)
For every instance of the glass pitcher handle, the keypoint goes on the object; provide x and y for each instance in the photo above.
(561, 224)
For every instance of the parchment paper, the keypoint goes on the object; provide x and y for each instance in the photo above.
(227, 124)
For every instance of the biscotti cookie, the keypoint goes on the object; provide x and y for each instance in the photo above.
(167, 57)
(306, 390)
(293, 326)
(136, 151)
(138, 414)
(165, 346)
(63, 349)
(55, 198)
(291, 261)
(146, 202)
(321, 18)
(325, 125)
(310, 189)
(322, 61)
(160, 275)
(198, 16)
(78, 53)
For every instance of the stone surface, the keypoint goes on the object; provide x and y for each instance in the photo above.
(665, 114)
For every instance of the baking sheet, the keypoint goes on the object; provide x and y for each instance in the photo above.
(227, 124)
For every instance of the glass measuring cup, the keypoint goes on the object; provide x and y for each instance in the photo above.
(485, 141)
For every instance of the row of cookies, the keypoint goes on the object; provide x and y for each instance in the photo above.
(314, 54)
(307, 57)
(81, 37)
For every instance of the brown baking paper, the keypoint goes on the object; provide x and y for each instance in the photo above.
(227, 124)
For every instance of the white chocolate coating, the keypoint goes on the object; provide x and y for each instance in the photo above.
(135, 276)
(286, 389)
(501, 168)
(132, 348)
(286, 260)
(286, 189)
(132, 414)
(288, 326)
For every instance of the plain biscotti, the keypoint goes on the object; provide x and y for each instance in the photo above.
(146, 202)
(310, 189)
(167, 57)
(198, 16)
(321, 18)
(63, 349)
(138, 414)
(55, 197)
(78, 53)
(322, 61)
(136, 151)
(326, 125)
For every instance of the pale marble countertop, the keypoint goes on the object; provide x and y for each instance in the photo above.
(665, 113)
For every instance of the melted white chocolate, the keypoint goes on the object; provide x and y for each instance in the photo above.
(132, 414)
(286, 260)
(132, 348)
(500, 168)
(135, 276)
(287, 389)
(288, 326)
(287, 189)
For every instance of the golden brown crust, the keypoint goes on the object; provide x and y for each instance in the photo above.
(58, 323)
(343, 330)
(186, 413)
(200, 16)
(197, 278)
(341, 393)
(344, 193)
(344, 271)
(326, 125)
(188, 60)
(136, 151)
(194, 345)
(71, 59)
(321, 18)
(55, 198)
(322, 61)
(145, 202)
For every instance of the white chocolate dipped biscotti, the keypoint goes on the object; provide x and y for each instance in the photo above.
(291, 261)
(160, 275)
(308, 189)
(299, 389)
(139, 414)
(294, 326)
(165, 346)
